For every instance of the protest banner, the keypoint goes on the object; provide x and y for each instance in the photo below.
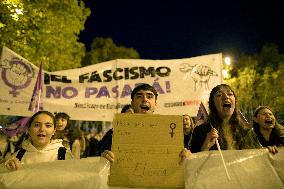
(249, 169)
(87, 173)
(99, 91)
(255, 168)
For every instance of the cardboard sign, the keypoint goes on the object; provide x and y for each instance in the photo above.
(147, 150)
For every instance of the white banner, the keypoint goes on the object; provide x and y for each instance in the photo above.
(248, 169)
(87, 173)
(98, 91)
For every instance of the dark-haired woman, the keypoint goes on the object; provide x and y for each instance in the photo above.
(267, 128)
(72, 137)
(39, 147)
(223, 124)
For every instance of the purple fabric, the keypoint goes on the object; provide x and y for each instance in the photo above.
(202, 112)
(36, 104)
(36, 100)
(18, 127)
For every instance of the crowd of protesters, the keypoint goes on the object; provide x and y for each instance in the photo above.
(81, 137)
(65, 139)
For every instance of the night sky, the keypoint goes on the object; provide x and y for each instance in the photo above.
(160, 29)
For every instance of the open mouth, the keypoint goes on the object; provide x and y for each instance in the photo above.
(144, 108)
(41, 135)
(268, 122)
(227, 105)
(59, 127)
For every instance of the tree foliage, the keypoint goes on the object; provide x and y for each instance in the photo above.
(259, 81)
(44, 31)
(104, 49)
(269, 57)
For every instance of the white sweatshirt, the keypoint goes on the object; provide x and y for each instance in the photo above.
(48, 154)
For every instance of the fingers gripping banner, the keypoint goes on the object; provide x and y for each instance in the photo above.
(98, 91)
(247, 169)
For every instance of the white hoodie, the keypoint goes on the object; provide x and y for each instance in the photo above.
(48, 154)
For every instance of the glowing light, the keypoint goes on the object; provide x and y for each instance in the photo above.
(15, 7)
(227, 61)
(225, 73)
(19, 11)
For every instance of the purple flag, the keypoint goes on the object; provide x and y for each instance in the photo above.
(36, 100)
(18, 127)
(202, 114)
(36, 104)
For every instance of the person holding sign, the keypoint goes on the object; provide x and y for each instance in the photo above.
(143, 101)
(188, 126)
(39, 147)
(223, 124)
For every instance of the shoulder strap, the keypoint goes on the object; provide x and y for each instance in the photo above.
(61, 153)
(20, 153)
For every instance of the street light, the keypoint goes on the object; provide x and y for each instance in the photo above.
(227, 61)
(226, 67)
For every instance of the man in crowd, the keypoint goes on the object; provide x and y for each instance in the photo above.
(143, 101)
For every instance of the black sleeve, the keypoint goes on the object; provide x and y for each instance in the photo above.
(198, 137)
(105, 143)
(186, 139)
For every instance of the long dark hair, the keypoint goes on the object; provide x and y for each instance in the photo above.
(275, 135)
(256, 125)
(64, 116)
(237, 127)
(214, 117)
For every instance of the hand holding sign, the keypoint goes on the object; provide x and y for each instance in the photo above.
(149, 155)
